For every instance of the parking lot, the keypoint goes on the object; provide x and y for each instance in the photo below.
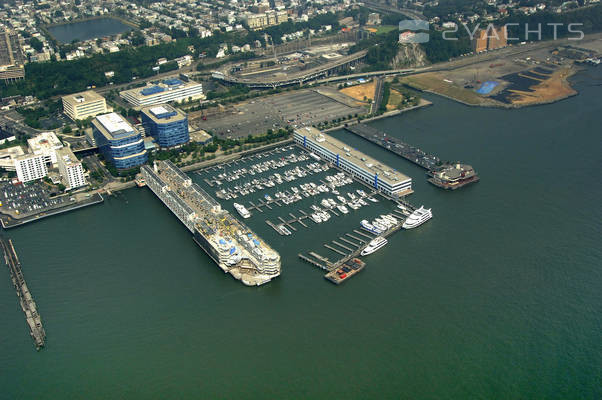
(298, 108)
(28, 199)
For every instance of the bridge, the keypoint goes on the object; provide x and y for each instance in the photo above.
(295, 78)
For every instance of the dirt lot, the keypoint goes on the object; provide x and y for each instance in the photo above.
(358, 92)
(395, 99)
(554, 88)
(435, 82)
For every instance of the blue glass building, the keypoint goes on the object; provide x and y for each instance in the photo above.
(118, 141)
(167, 125)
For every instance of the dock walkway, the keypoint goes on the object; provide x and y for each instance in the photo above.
(28, 305)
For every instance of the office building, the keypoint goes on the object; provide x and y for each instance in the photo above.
(30, 167)
(359, 165)
(118, 141)
(12, 59)
(80, 106)
(164, 91)
(45, 144)
(166, 124)
(71, 169)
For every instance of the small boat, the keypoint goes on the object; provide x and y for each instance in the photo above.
(343, 209)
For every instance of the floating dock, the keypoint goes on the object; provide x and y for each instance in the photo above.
(28, 306)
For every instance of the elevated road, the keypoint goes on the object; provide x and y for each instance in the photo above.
(293, 78)
(412, 14)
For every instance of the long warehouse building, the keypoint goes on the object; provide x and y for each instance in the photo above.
(358, 164)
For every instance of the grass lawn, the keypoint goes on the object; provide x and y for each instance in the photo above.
(385, 29)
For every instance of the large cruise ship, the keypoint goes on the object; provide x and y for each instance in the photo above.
(417, 218)
(230, 243)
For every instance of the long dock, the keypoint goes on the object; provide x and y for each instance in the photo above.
(25, 299)
(396, 146)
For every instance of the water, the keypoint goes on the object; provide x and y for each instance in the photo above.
(498, 296)
(90, 29)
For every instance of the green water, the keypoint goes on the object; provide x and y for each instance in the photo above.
(497, 297)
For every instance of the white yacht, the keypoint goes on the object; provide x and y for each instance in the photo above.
(374, 245)
(242, 210)
(342, 209)
(342, 199)
(316, 217)
(364, 223)
(417, 218)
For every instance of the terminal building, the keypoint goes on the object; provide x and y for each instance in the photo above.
(167, 125)
(118, 141)
(82, 105)
(71, 169)
(359, 165)
(164, 91)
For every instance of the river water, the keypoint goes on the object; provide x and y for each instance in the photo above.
(498, 296)
(90, 29)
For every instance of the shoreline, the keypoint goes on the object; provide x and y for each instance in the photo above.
(487, 103)
(9, 222)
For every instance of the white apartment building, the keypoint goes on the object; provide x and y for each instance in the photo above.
(71, 169)
(30, 167)
(168, 90)
(45, 144)
(82, 105)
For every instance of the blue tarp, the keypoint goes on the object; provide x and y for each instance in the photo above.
(487, 87)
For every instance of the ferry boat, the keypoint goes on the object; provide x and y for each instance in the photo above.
(242, 210)
(374, 245)
(417, 218)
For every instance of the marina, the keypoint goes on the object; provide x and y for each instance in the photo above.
(28, 305)
(444, 175)
(282, 177)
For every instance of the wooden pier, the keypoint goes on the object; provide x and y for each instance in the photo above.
(28, 305)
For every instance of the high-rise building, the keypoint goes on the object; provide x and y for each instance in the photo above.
(12, 59)
(71, 169)
(166, 124)
(80, 106)
(163, 92)
(118, 141)
(30, 167)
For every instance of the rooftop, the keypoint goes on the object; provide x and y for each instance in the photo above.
(113, 126)
(163, 113)
(44, 142)
(157, 87)
(83, 97)
(345, 151)
(69, 159)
